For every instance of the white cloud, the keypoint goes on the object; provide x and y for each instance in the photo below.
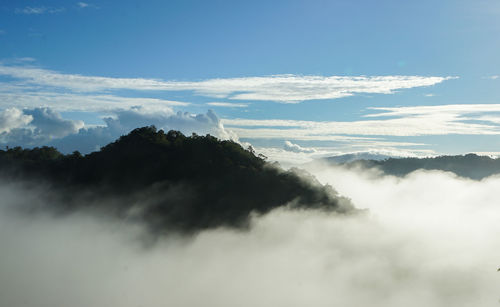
(278, 88)
(42, 77)
(408, 121)
(289, 146)
(372, 133)
(488, 118)
(288, 158)
(82, 4)
(228, 104)
(188, 123)
(44, 126)
(19, 96)
(25, 93)
(13, 118)
(430, 239)
(30, 10)
(50, 124)
(34, 127)
(491, 154)
(451, 110)
(24, 60)
(319, 133)
(293, 88)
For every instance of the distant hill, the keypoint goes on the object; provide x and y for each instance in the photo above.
(169, 181)
(470, 166)
(354, 157)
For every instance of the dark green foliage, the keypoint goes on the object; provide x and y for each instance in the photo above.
(171, 181)
(470, 166)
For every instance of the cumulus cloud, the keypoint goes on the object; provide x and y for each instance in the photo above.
(13, 118)
(45, 126)
(289, 146)
(50, 123)
(33, 127)
(128, 119)
(278, 88)
(435, 249)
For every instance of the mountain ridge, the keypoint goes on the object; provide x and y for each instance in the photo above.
(470, 165)
(170, 181)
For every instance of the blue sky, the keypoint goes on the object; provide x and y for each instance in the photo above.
(328, 76)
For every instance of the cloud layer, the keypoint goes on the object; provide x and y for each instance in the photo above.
(435, 249)
(404, 121)
(278, 88)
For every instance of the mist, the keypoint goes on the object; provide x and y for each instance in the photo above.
(427, 239)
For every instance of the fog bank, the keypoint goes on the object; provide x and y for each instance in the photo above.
(429, 239)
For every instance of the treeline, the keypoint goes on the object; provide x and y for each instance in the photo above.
(169, 181)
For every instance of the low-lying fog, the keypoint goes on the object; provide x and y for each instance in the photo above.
(430, 239)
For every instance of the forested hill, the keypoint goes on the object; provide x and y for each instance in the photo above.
(169, 181)
(470, 166)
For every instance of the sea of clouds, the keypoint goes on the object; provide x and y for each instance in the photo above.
(429, 239)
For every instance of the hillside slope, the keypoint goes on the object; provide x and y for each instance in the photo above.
(169, 181)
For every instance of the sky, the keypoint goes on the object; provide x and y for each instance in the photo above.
(296, 80)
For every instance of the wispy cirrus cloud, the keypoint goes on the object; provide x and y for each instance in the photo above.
(86, 5)
(294, 88)
(228, 104)
(75, 102)
(389, 129)
(277, 88)
(448, 111)
(468, 119)
(39, 10)
(48, 90)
